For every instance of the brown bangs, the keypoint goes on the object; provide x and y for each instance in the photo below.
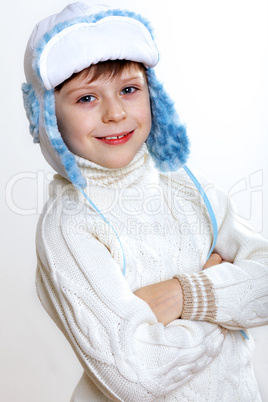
(107, 69)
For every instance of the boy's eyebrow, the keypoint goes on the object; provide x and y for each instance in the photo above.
(88, 85)
(133, 77)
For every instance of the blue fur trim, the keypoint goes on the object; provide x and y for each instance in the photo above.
(90, 19)
(31, 105)
(167, 142)
(66, 157)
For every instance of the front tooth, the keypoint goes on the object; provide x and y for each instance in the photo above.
(115, 138)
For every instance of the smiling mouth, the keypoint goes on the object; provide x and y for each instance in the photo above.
(116, 139)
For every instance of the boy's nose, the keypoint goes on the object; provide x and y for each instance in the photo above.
(113, 111)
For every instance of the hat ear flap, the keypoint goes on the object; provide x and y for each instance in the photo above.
(61, 152)
(168, 142)
(32, 108)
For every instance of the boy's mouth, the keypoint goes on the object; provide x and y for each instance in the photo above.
(121, 138)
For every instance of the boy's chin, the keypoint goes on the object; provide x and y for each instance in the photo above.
(118, 162)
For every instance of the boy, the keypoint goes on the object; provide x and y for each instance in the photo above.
(118, 260)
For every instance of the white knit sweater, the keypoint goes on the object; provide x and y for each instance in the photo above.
(165, 232)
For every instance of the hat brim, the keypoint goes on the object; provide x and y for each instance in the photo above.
(110, 38)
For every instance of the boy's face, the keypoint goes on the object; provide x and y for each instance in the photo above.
(105, 121)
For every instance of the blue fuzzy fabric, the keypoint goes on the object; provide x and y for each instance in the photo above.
(31, 105)
(167, 142)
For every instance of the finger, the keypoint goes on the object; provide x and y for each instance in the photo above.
(214, 259)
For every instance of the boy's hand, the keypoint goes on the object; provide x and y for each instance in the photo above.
(166, 298)
(214, 259)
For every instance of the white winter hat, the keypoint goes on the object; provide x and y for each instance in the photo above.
(81, 35)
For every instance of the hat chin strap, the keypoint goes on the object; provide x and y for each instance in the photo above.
(208, 206)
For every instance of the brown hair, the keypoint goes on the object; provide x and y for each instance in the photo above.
(108, 69)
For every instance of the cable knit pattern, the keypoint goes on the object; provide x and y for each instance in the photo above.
(165, 232)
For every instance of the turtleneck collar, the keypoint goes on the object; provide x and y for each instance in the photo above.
(102, 176)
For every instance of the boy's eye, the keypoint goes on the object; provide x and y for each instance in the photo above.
(128, 90)
(87, 98)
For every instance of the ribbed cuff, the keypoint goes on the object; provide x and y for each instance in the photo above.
(199, 301)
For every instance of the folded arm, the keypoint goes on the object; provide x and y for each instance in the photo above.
(166, 298)
(232, 294)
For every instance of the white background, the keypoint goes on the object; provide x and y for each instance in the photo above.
(214, 64)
